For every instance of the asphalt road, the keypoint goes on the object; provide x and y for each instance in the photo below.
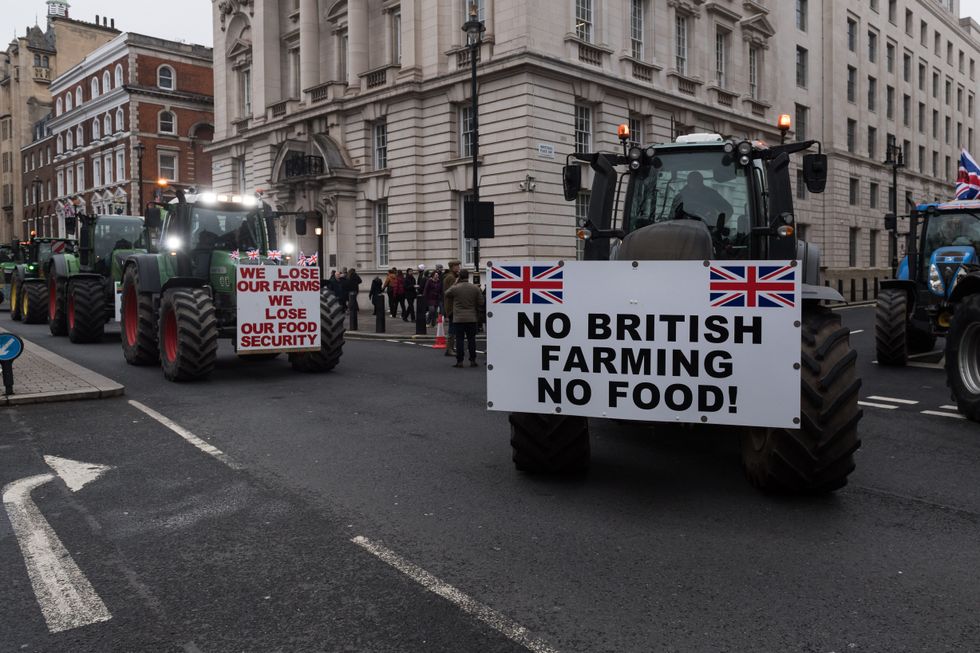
(663, 547)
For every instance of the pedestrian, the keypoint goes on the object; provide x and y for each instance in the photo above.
(331, 284)
(400, 291)
(342, 289)
(464, 301)
(448, 281)
(389, 288)
(411, 292)
(431, 292)
(353, 287)
(376, 291)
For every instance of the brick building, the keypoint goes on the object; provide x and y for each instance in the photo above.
(135, 110)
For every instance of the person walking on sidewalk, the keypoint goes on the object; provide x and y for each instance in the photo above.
(411, 292)
(390, 287)
(448, 282)
(376, 289)
(353, 287)
(464, 301)
(431, 292)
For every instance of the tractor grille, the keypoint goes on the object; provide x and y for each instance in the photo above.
(225, 309)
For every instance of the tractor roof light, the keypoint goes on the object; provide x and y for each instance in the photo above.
(785, 122)
(635, 156)
(209, 198)
(583, 234)
(162, 183)
(249, 201)
(728, 148)
(288, 248)
(744, 148)
(624, 132)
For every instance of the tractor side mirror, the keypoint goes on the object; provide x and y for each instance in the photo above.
(71, 224)
(815, 172)
(300, 225)
(152, 219)
(571, 181)
(891, 222)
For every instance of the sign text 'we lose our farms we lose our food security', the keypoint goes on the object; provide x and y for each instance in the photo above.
(278, 308)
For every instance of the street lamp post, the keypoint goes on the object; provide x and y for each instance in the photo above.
(474, 29)
(36, 188)
(140, 148)
(894, 157)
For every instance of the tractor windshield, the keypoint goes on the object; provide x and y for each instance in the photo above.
(226, 230)
(950, 229)
(694, 185)
(6, 255)
(116, 233)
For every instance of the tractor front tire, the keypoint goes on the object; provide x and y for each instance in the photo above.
(817, 457)
(331, 338)
(34, 309)
(15, 301)
(86, 310)
(891, 327)
(550, 444)
(57, 318)
(188, 334)
(963, 357)
(138, 322)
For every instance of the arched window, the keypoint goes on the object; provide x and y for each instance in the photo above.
(79, 136)
(119, 120)
(107, 125)
(78, 96)
(106, 85)
(69, 143)
(96, 130)
(68, 97)
(94, 86)
(119, 80)
(59, 145)
(167, 123)
(59, 107)
(165, 78)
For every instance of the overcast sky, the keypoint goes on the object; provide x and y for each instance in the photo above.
(187, 20)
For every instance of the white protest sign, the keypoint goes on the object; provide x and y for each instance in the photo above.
(278, 308)
(667, 341)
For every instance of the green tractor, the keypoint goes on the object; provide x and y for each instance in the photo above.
(707, 198)
(82, 285)
(28, 285)
(178, 302)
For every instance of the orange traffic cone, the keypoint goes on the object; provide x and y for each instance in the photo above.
(440, 342)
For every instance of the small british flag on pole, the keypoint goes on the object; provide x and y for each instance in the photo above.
(235, 256)
(753, 286)
(275, 255)
(527, 284)
(968, 178)
(312, 259)
(253, 255)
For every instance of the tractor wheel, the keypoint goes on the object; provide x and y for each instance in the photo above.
(34, 307)
(188, 334)
(963, 357)
(57, 320)
(891, 327)
(331, 338)
(920, 341)
(86, 310)
(138, 321)
(15, 301)
(817, 457)
(550, 444)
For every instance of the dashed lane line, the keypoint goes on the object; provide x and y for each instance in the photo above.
(941, 414)
(909, 402)
(503, 625)
(856, 331)
(949, 407)
(206, 447)
(874, 405)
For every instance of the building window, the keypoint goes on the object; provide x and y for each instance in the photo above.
(754, 72)
(874, 6)
(922, 76)
(106, 82)
(80, 176)
(922, 117)
(872, 141)
(802, 115)
(294, 73)
(948, 169)
(889, 103)
(922, 159)
(68, 101)
(59, 107)
(959, 98)
(380, 144)
(637, 11)
(396, 37)
(969, 105)
(636, 130)
(935, 124)
(937, 40)
(119, 120)
(872, 46)
(381, 233)
(721, 58)
(935, 85)
(167, 163)
(165, 78)
(96, 130)
(852, 34)
(949, 93)
(581, 217)
(852, 242)
(851, 134)
(583, 20)
(852, 84)
(801, 66)
(873, 250)
(873, 199)
(893, 12)
(890, 57)
(680, 44)
(61, 183)
(465, 131)
(106, 125)
(120, 165)
(872, 93)
(79, 136)
(167, 123)
(852, 191)
(468, 4)
(240, 176)
(907, 110)
(344, 43)
(908, 22)
(801, 11)
(78, 96)
(119, 75)
(107, 168)
(935, 163)
(906, 67)
(245, 92)
(583, 128)
(800, 185)
(69, 141)
(96, 173)
(948, 124)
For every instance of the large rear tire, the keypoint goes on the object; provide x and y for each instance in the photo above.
(57, 315)
(34, 309)
(138, 322)
(188, 334)
(891, 327)
(550, 444)
(15, 300)
(331, 338)
(817, 457)
(963, 357)
(86, 310)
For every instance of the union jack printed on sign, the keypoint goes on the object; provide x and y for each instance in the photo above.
(751, 286)
(527, 284)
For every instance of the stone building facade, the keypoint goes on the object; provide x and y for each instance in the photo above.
(361, 110)
(27, 67)
(134, 90)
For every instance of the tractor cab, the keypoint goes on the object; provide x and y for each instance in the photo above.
(106, 241)
(950, 240)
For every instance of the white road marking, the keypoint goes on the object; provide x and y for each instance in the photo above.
(857, 331)
(510, 629)
(926, 366)
(948, 407)
(910, 402)
(206, 447)
(65, 596)
(924, 354)
(76, 475)
(939, 414)
(874, 405)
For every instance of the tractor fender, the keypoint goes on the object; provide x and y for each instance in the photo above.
(59, 266)
(819, 293)
(38, 280)
(184, 282)
(87, 275)
(149, 271)
(902, 284)
(968, 285)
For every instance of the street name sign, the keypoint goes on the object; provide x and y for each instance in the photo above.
(668, 341)
(278, 308)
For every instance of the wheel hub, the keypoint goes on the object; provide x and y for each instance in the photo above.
(969, 358)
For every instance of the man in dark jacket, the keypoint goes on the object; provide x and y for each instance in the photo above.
(464, 302)
(448, 280)
(353, 286)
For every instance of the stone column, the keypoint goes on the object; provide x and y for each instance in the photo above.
(309, 44)
(357, 35)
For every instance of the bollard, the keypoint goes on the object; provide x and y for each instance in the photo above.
(379, 313)
(420, 316)
(352, 304)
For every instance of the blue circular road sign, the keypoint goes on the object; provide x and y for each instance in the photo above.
(11, 346)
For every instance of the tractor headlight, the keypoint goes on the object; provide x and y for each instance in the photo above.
(173, 243)
(935, 281)
(288, 248)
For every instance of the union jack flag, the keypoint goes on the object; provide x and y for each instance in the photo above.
(302, 259)
(751, 286)
(253, 255)
(968, 179)
(311, 260)
(275, 255)
(235, 255)
(527, 284)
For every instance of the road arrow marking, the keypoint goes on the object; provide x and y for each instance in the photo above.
(66, 598)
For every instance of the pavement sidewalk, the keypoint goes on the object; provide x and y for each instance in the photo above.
(395, 328)
(42, 376)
